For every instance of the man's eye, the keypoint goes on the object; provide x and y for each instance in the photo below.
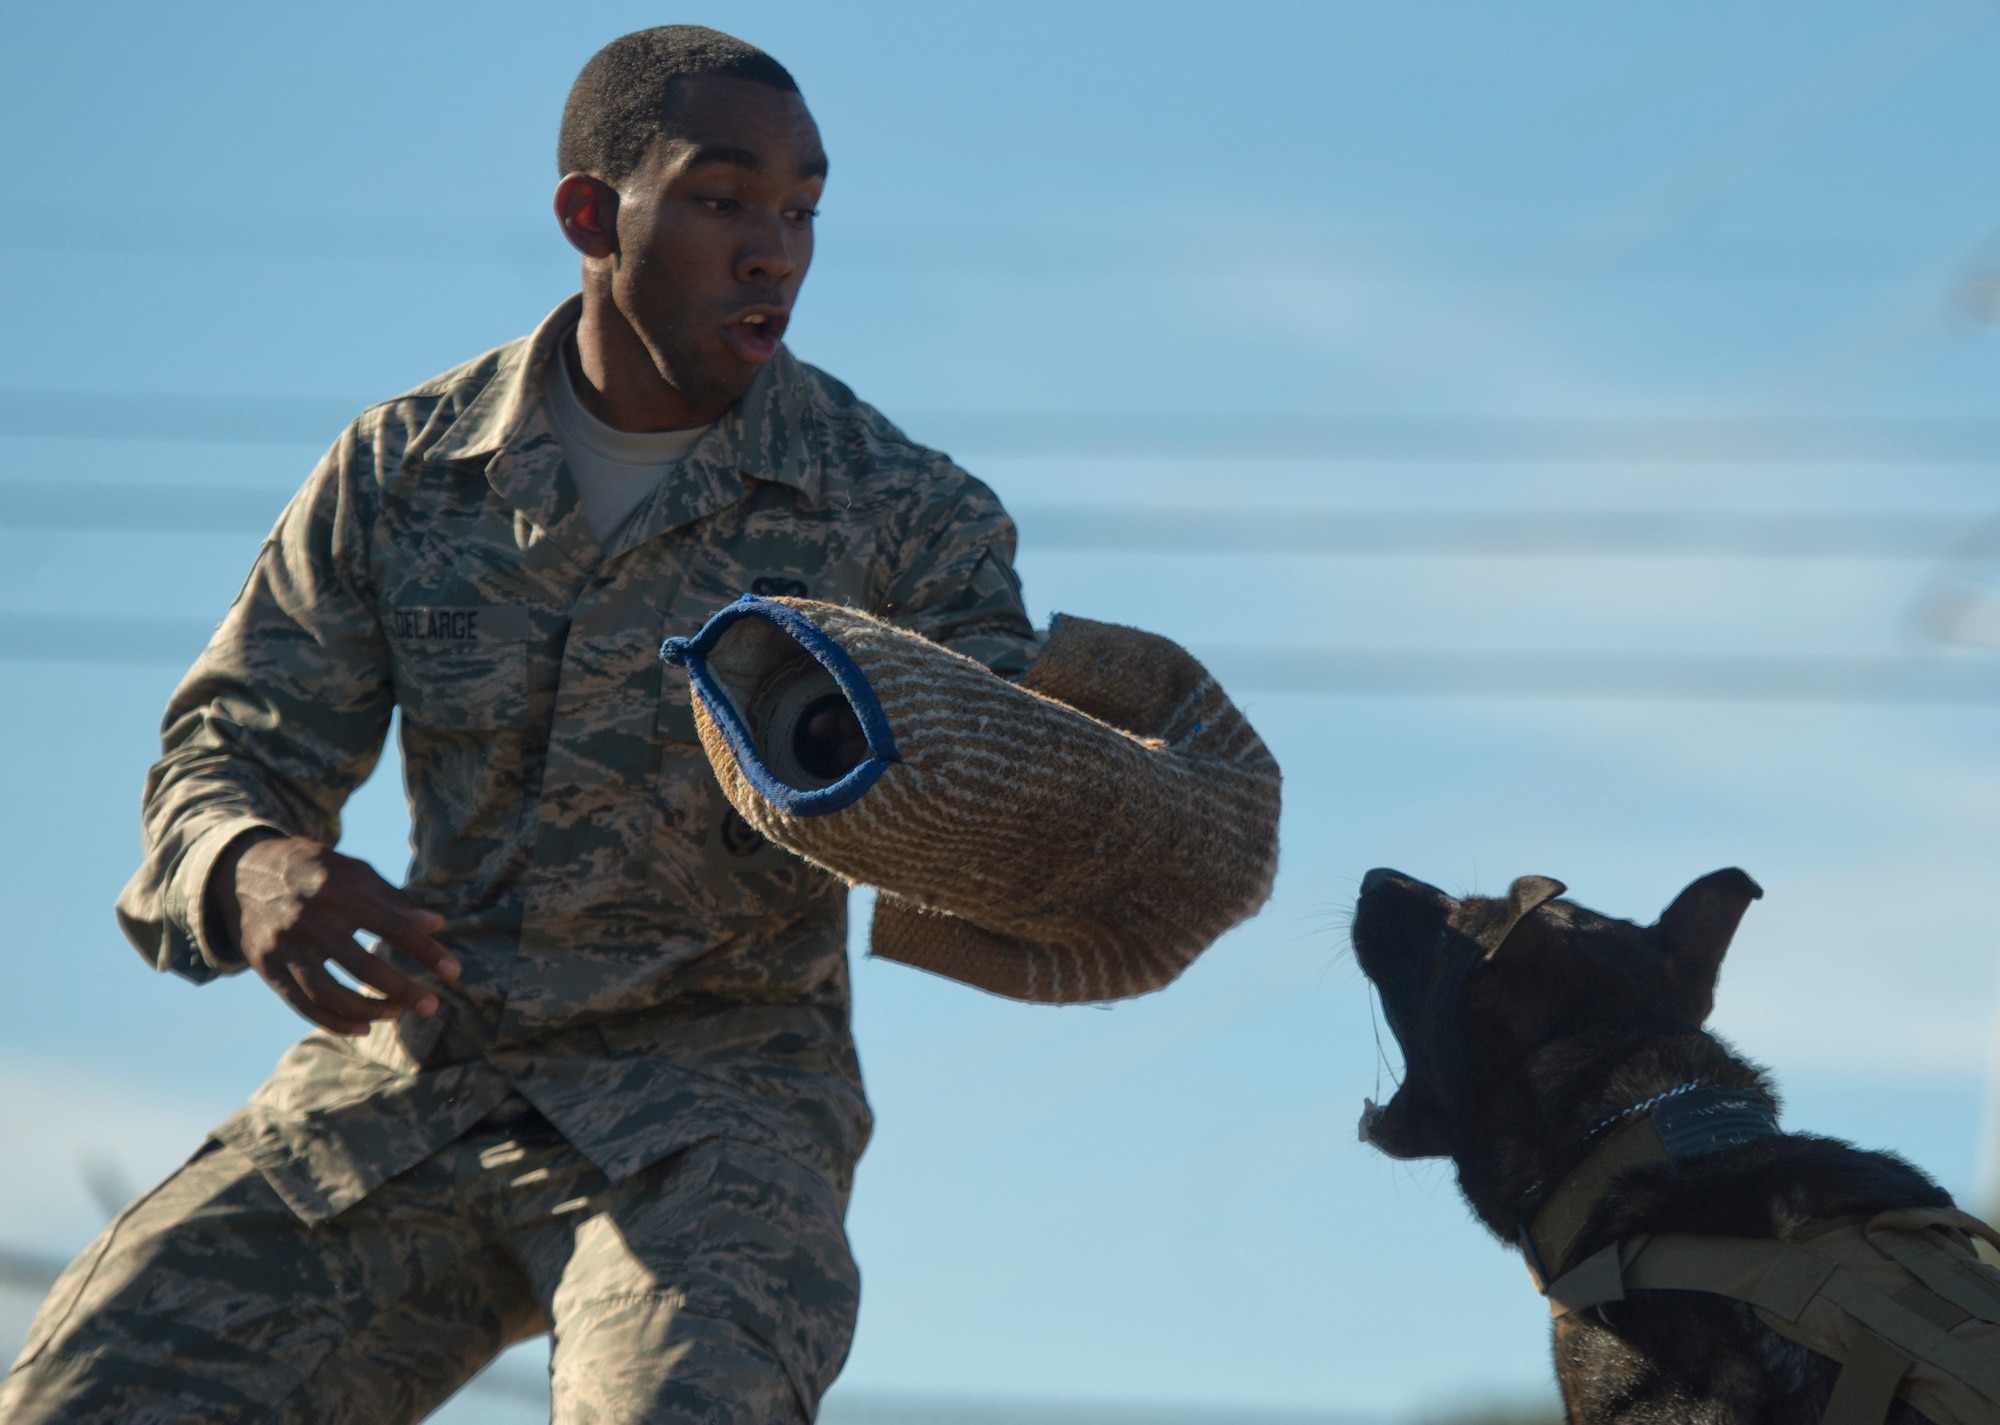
(802, 215)
(720, 205)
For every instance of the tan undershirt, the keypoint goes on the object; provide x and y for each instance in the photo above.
(614, 470)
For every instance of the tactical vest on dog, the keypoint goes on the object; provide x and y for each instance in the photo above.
(1080, 836)
(1901, 1299)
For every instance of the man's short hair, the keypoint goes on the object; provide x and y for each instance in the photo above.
(621, 101)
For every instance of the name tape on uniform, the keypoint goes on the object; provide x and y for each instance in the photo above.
(493, 623)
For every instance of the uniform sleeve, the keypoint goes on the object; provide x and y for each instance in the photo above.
(954, 579)
(277, 723)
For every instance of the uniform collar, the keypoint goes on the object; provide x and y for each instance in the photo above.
(771, 434)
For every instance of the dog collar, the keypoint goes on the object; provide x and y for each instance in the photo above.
(1684, 1123)
(1603, 1126)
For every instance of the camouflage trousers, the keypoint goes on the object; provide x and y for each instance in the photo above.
(714, 1288)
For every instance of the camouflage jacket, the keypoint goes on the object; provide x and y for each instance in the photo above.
(639, 964)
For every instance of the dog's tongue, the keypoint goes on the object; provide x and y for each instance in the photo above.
(1371, 1117)
(1415, 1123)
(1371, 1125)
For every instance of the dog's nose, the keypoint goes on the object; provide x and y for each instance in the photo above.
(1376, 878)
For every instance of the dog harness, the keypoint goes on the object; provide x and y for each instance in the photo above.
(1901, 1300)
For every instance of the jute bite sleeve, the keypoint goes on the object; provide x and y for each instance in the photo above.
(1080, 836)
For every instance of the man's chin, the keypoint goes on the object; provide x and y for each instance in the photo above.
(712, 383)
(725, 368)
(708, 372)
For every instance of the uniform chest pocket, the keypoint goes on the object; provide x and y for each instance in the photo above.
(461, 669)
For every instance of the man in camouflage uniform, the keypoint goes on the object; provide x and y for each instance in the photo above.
(602, 1083)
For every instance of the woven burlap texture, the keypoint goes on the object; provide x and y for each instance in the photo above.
(1080, 837)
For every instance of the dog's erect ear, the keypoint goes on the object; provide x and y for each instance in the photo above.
(1524, 897)
(1515, 985)
(1695, 931)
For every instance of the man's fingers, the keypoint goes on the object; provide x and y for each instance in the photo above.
(293, 993)
(410, 928)
(418, 944)
(393, 899)
(397, 987)
(307, 925)
(329, 995)
(400, 992)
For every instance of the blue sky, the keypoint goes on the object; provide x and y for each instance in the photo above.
(1171, 214)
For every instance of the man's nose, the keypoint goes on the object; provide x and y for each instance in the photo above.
(769, 255)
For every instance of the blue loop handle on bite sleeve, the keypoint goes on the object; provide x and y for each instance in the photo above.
(692, 654)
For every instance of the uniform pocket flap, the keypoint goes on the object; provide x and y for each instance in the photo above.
(463, 686)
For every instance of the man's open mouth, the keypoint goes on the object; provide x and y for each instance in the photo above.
(755, 332)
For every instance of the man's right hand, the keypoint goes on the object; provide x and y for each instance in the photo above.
(292, 906)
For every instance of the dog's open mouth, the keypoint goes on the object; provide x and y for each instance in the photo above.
(1405, 944)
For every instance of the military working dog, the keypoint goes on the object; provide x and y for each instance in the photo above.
(1702, 1265)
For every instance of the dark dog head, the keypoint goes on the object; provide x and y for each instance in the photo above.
(1474, 989)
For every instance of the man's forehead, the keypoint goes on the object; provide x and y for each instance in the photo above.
(715, 119)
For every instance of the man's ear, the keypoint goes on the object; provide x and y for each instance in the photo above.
(587, 208)
(1695, 932)
(1524, 897)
